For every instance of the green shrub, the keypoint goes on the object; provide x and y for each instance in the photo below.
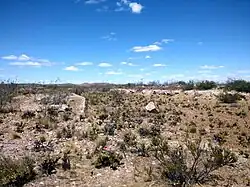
(190, 164)
(238, 85)
(16, 172)
(48, 165)
(226, 97)
(188, 86)
(7, 91)
(205, 85)
(108, 158)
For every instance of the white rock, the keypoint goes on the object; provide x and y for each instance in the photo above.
(150, 106)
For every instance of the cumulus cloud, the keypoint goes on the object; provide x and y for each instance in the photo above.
(22, 57)
(136, 7)
(113, 73)
(147, 57)
(25, 60)
(133, 6)
(104, 64)
(71, 68)
(211, 67)
(146, 48)
(85, 64)
(159, 65)
(124, 63)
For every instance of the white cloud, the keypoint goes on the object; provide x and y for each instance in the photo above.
(133, 6)
(163, 41)
(104, 64)
(110, 37)
(94, 1)
(113, 73)
(146, 48)
(29, 63)
(136, 7)
(22, 57)
(10, 57)
(85, 64)
(167, 40)
(25, 60)
(124, 63)
(210, 67)
(159, 65)
(147, 57)
(71, 68)
(131, 64)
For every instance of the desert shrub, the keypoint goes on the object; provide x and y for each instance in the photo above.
(143, 132)
(205, 85)
(226, 97)
(192, 163)
(238, 85)
(109, 129)
(188, 86)
(129, 138)
(42, 145)
(48, 165)
(108, 159)
(142, 149)
(7, 91)
(68, 131)
(28, 114)
(16, 172)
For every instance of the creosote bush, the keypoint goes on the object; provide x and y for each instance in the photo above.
(16, 172)
(192, 163)
(7, 92)
(206, 85)
(238, 85)
(226, 97)
(108, 159)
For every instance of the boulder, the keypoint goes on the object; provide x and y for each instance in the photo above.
(77, 103)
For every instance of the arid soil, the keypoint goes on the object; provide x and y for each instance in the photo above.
(80, 128)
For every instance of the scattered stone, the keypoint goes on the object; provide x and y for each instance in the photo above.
(151, 107)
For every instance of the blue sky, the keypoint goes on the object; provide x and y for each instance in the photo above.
(124, 41)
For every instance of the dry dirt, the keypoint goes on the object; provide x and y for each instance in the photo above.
(81, 134)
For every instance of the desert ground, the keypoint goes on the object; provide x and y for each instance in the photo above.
(125, 137)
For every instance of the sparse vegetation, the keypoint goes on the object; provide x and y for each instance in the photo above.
(114, 127)
(16, 172)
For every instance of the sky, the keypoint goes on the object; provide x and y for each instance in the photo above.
(121, 41)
